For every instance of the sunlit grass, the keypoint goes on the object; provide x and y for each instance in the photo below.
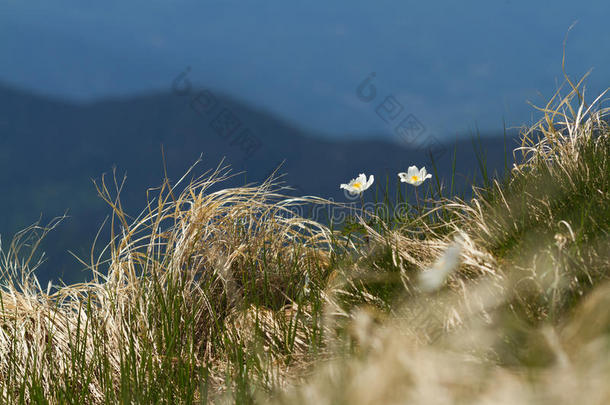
(237, 296)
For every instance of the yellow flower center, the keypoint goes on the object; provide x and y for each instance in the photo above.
(357, 185)
(414, 178)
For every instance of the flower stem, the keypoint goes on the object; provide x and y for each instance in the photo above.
(366, 236)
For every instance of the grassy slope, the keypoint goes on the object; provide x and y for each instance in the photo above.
(228, 296)
(128, 134)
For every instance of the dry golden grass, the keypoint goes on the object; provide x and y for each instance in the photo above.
(522, 319)
(227, 295)
(215, 246)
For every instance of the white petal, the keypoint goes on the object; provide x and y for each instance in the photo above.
(432, 278)
(412, 171)
(371, 180)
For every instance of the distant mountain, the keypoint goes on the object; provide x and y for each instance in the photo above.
(51, 150)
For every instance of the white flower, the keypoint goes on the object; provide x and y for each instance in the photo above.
(414, 176)
(359, 184)
(433, 278)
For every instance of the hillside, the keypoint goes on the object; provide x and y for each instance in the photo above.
(224, 294)
(304, 203)
(51, 150)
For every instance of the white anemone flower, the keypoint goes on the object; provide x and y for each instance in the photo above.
(414, 176)
(359, 184)
(434, 277)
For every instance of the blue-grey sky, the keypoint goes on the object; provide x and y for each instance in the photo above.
(452, 64)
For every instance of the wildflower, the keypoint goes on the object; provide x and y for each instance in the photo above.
(414, 176)
(359, 184)
(432, 278)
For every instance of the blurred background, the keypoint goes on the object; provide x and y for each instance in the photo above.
(328, 89)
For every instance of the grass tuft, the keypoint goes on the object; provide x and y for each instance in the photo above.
(233, 295)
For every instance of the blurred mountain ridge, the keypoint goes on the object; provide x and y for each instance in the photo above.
(51, 150)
